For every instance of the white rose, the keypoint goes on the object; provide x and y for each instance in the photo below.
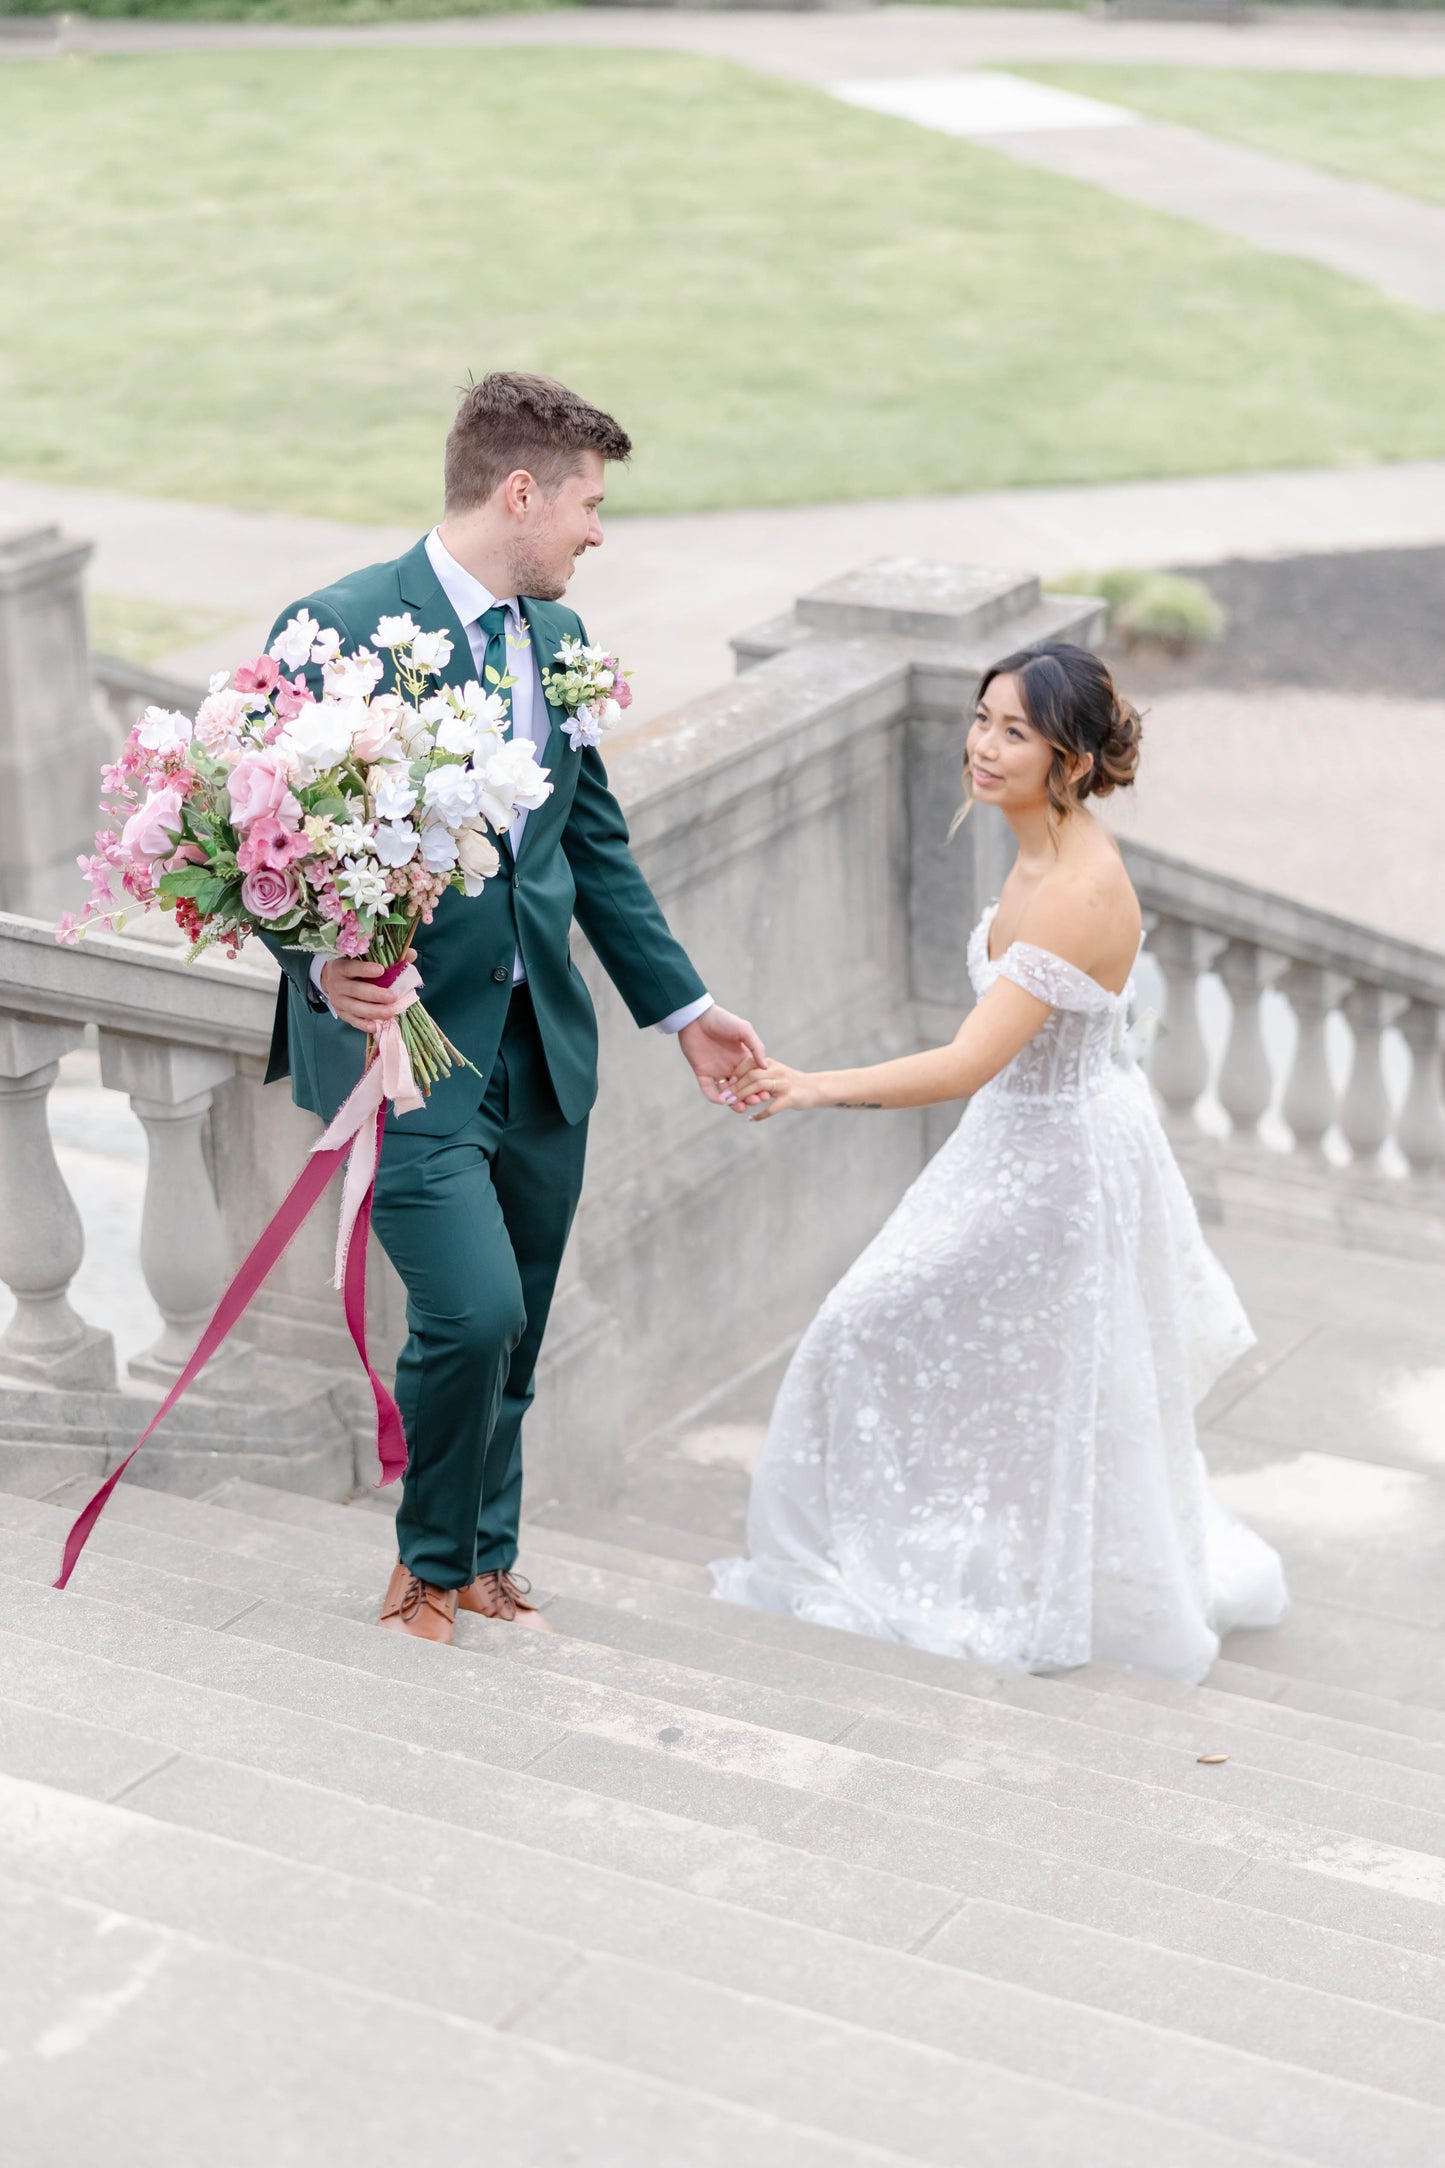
(319, 736)
(452, 795)
(293, 644)
(162, 730)
(395, 632)
(479, 859)
(395, 843)
(512, 781)
(438, 846)
(393, 793)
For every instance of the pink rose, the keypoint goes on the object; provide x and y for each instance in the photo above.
(269, 842)
(259, 789)
(621, 690)
(269, 894)
(151, 831)
(259, 676)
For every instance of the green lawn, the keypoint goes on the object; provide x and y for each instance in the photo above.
(1387, 129)
(257, 278)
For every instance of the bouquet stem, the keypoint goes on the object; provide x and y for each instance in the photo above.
(430, 1051)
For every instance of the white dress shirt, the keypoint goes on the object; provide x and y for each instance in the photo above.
(530, 719)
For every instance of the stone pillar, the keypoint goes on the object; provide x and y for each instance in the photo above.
(41, 1239)
(51, 747)
(182, 1238)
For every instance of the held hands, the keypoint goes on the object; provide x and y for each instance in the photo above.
(346, 983)
(716, 1045)
(773, 1088)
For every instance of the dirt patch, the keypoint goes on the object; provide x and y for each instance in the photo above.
(1366, 621)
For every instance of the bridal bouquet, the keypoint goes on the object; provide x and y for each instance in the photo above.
(334, 824)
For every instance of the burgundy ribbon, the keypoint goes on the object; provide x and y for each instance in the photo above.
(282, 1228)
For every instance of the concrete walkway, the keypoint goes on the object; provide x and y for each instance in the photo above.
(671, 591)
(1389, 240)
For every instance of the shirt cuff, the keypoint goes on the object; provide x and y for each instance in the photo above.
(318, 965)
(680, 1018)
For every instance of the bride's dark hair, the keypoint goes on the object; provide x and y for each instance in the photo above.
(1069, 696)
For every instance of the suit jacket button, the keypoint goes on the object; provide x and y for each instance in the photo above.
(501, 974)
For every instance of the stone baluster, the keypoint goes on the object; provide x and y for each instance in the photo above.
(1246, 1081)
(1311, 1100)
(41, 1239)
(182, 1236)
(1420, 1132)
(1365, 1113)
(1179, 1061)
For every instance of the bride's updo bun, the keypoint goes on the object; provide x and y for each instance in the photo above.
(1070, 698)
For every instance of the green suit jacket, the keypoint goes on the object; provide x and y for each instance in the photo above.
(574, 861)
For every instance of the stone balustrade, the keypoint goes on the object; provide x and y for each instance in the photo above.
(1301, 1073)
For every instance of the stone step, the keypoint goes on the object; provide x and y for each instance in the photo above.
(710, 1769)
(1271, 1698)
(637, 1614)
(1011, 1749)
(918, 2091)
(658, 1538)
(196, 2052)
(1075, 1974)
(674, 1605)
(1335, 1645)
(73, 1720)
(881, 1764)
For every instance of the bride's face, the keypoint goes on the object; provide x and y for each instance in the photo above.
(1008, 760)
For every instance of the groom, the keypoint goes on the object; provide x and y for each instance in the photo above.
(477, 1189)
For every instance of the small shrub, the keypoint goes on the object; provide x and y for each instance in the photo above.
(1169, 612)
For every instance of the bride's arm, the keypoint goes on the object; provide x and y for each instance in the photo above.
(1000, 1027)
(1068, 917)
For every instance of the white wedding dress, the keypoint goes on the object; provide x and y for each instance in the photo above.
(985, 1442)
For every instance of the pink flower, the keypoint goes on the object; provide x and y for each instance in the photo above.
(189, 854)
(259, 676)
(621, 690)
(151, 832)
(292, 695)
(269, 842)
(269, 894)
(350, 941)
(259, 788)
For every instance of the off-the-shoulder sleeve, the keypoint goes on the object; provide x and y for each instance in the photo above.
(1052, 978)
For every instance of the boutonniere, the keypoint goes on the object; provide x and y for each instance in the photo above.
(590, 688)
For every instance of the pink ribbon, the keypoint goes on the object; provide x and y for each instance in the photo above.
(354, 1135)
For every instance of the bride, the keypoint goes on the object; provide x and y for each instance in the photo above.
(985, 1442)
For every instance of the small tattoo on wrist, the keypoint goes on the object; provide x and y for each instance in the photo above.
(858, 1106)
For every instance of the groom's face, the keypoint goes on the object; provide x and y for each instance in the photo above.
(554, 531)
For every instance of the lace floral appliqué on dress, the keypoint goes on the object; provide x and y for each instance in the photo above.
(985, 1442)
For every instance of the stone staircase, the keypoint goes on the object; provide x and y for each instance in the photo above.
(685, 1883)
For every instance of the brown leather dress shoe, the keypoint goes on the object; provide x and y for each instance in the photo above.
(415, 1607)
(501, 1595)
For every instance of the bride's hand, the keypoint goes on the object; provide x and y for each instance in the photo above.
(781, 1087)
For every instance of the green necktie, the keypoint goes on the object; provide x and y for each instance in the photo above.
(494, 624)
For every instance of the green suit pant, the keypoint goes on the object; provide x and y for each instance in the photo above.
(476, 1222)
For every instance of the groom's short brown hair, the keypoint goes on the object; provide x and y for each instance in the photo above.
(513, 419)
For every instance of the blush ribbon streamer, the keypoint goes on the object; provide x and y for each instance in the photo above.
(354, 1135)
